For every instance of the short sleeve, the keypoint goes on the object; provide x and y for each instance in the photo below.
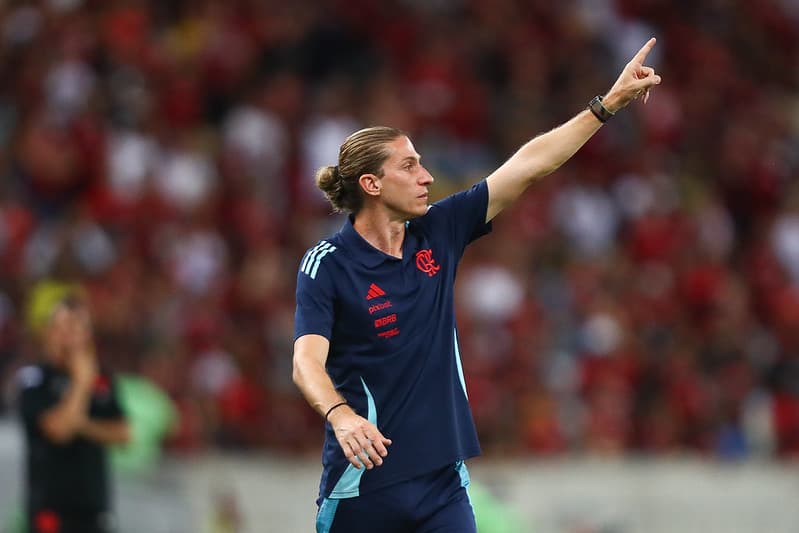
(32, 396)
(464, 213)
(315, 293)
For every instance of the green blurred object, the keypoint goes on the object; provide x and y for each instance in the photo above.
(151, 415)
(16, 522)
(493, 516)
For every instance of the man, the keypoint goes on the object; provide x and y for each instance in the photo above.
(69, 412)
(376, 349)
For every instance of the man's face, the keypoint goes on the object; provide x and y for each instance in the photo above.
(63, 331)
(405, 181)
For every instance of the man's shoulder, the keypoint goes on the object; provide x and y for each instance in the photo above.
(329, 244)
(320, 255)
(32, 383)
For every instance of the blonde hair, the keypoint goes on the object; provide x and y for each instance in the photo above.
(363, 152)
(44, 299)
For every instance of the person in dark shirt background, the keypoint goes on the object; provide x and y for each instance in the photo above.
(70, 413)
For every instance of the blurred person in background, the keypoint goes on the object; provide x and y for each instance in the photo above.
(70, 413)
(376, 350)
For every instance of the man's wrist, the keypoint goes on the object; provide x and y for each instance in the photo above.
(333, 408)
(611, 102)
(601, 113)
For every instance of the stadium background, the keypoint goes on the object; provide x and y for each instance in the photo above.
(641, 306)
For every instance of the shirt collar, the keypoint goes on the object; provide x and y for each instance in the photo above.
(365, 253)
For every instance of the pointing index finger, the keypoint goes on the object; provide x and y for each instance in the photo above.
(644, 51)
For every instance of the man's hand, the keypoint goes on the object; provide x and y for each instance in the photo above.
(81, 361)
(361, 441)
(83, 368)
(635, 80)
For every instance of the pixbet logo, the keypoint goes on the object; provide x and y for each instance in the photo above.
(379, 307)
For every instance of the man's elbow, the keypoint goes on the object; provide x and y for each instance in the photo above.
(60, 438)
(543, 169)
(296, 373)
(57, 433)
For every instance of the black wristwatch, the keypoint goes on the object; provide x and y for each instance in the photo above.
(599, 110)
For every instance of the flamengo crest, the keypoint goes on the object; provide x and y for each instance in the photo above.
(426, 263)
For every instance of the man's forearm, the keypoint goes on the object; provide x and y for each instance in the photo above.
(538, 157)
(61, 422)
(546, 153)
(310, 375)
(106, 431)
(315, 384)
(317, 387)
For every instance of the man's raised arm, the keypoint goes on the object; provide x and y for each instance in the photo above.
(545, 153)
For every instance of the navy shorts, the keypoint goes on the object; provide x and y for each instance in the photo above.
(435, 502)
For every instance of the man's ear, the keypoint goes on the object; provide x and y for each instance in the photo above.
(370, 184)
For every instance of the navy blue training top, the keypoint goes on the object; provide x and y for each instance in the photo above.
(393, 345)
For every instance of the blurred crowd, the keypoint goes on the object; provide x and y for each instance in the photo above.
(643, 299)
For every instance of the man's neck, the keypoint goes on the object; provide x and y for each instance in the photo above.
(381, 231)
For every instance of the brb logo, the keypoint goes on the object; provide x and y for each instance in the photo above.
(386, 320)
(426, 263)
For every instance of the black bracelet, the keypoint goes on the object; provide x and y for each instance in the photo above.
(339, 404)
(599, 110)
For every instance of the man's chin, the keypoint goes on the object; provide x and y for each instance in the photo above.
(417, 211)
